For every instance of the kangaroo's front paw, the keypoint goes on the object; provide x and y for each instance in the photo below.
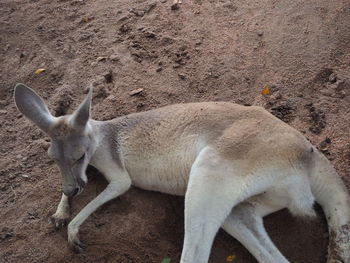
(73, 239)
(59, 220)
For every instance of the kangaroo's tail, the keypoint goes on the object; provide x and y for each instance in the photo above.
(331, 193)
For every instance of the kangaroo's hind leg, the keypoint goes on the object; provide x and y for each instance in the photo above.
(214, 188)
(245, 223)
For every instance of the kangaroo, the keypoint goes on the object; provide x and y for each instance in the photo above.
(234, 164)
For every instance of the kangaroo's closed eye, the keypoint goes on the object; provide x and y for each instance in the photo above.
(81, 158)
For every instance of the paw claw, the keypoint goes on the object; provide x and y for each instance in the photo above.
(73, 240)
(59, 222)
(77, 246)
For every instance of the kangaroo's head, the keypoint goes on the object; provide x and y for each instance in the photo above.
(72, 141)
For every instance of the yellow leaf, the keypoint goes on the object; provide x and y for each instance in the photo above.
(230, 258)
(266, 90)
(39, 70)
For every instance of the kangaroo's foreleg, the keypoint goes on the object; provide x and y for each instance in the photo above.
(61, 216)
(120, 184)
(245, 224)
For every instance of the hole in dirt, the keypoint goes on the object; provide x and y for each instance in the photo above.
(323, 75)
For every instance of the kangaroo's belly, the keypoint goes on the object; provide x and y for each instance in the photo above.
(157, 175)
(166, 171)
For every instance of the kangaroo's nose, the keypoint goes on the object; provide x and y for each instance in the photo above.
(76, 190)
(72, 192)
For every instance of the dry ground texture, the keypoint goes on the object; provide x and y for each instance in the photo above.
(221, 50)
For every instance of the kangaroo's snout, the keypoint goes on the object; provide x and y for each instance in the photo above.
(73, 190)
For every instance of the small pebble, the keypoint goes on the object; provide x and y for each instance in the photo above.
(135, 92)
(332, 78)
(114, 58)
(182, 76)
(101, 58)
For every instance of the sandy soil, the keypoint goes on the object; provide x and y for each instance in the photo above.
(222, 50)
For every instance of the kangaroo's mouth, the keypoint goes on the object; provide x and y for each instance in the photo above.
(79, 187)
(74, 192)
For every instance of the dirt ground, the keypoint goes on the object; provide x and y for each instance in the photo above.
(221, 50)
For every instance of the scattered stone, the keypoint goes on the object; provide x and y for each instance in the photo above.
(181, 76)
(199, 42)
(33, 215)
(114, 58)
(260, 34)
(150, 35)
(25, 176)
(159, 69)
(325, 143)
(101, 58)
(6, 233)
(124, 28)
(136, 91)
(332, 78)
(163, 1)
(140, 105)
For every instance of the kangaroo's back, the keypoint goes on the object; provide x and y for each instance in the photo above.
(164, 143)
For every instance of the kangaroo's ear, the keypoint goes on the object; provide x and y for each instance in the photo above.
(33, 107)
(82, 115)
